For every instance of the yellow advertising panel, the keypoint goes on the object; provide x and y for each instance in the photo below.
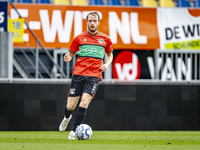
(16, 26)
(193, 44)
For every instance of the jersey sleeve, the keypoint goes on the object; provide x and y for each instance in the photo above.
(109, 46)
(74, 47)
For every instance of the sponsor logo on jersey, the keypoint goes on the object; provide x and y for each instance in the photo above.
(91, 51)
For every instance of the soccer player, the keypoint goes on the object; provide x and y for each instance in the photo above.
(91, 46)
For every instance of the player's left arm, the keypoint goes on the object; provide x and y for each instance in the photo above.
(109, 60)
(68, 56)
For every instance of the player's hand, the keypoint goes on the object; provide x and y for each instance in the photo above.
(103, 68)
(67, 57)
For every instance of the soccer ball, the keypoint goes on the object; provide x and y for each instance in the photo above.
(83, 132)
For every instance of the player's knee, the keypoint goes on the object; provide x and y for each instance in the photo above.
(84, 104)
(70, 107)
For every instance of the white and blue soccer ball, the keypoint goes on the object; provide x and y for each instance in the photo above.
(83, 132)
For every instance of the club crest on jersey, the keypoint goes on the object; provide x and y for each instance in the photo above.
(85, 39)
(72, 91)
(100, 41)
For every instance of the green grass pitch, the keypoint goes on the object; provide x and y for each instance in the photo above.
(101, 140)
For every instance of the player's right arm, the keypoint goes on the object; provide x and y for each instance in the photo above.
(74, 47)
(68, 56)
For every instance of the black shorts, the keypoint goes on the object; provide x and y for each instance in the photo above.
(83, 84)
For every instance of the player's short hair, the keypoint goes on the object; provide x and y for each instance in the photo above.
(94, 13)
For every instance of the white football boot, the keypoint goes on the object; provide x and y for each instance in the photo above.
(71, 135)
(64, 123)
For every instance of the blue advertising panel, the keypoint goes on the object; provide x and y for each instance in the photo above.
(3, 16)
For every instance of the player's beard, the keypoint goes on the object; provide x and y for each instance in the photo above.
(92, 30)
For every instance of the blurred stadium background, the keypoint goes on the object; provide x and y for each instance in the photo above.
(153, 83)
(142, 3)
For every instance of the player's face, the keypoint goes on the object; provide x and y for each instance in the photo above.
(92, 23)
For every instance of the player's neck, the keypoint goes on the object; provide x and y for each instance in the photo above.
(92, 33)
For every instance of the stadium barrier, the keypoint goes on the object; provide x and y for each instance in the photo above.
(38, 105)
(180, 65)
